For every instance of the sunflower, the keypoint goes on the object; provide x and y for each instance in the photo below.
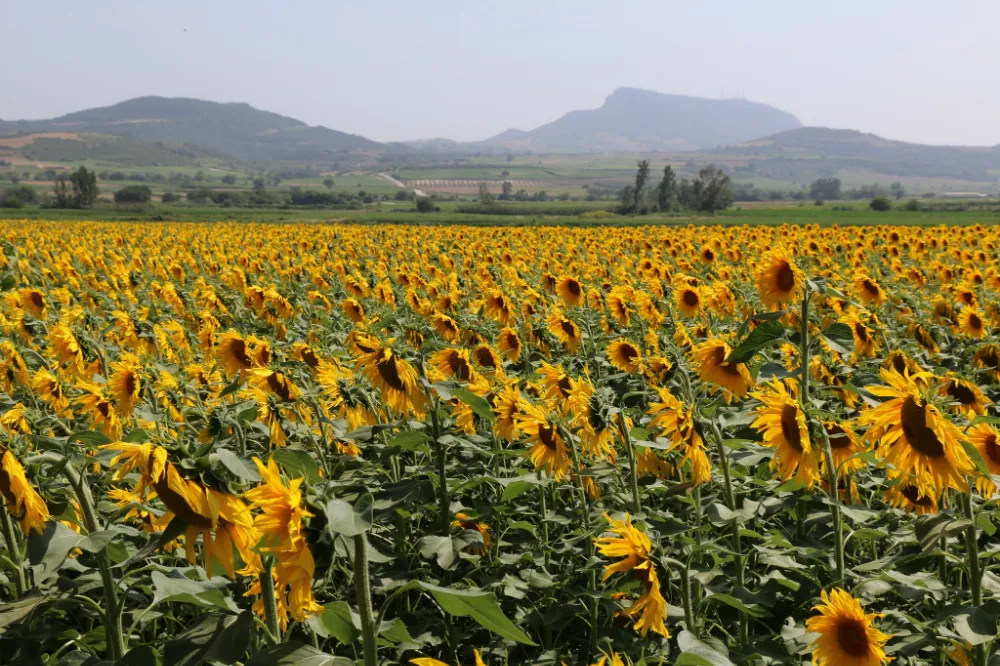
(625, 356)
(914, 437)
(22, 500)
(275, 384)
(548, 449)
(67, 350)
(446, 327)
(592, 418)
(509, 344)
(506, 406)
(675, 421)
(847, 635)
(966, 398)
(499, 308)
(455, 363)
(282, 510)
(95, 403)
(570, 290)
(634, 547)
(353, 309)
(48, 387)
(960, 652)
(125, 384)
(466, 522)
(984, 438)
(988, 357)
(782, 424)
(844, 444)
(489, 360)
(868, 290)
(779, 279)
(395, 378)
(688, 300)
(649, 464)
(924, 337)
(617, 304)
(564, 329)
(898, 361)
(232, 354)
(971, 324)
(712, 367)
(865, 342)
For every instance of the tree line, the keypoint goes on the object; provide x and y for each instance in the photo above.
(709, 192)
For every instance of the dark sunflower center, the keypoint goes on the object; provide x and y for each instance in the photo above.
(962, 393)
(870, 287)
(708, 254)
(279, 387)
(913, 494)
(238, 348)
(573, 287)
(568, 328)
(565, 386)
(838, 438)
(992, 450)
(104, 407)
(389, 373)
(37, 300)
(861, 332)
(899, 363)
(919, 436)
(691, 298)
(485, 358)
(785, 277)
(790, 427)
(547, 436)
(131, 384)
(975, 322)
(459, 367)
(628, 353)
(852, 637)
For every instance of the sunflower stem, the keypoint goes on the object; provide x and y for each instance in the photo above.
(545, 512)
(363, 590)
(270, 603)
(442, 462)
(834, 501)
(734, 525)
(585, 511)
(112, 616)
(14, 549)
(685, 572)
(633, 475)
(975, 573)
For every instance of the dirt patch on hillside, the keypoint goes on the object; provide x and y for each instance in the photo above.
(22, 141)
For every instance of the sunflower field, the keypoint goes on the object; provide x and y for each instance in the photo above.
(331, 444)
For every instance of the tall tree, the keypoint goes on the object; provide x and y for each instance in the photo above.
(897, 190)
(85, 190)
(666, 191)
(641, 176)
(711, 189)
(507, 190)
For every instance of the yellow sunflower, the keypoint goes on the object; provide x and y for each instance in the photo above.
(548, 449)
(570, 290)
(466, 522)
(711, 356)
(984, 438)
(395, 378)
(23, 502)
(565, 330)
(782, 424)
(967, 398)
(972, 324)
(625, 356)
(779, 279)
(847, 635)
(914, 437)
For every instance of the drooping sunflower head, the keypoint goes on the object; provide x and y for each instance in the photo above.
(565, 330)
(779, 279)
(509, 344)
(847, 635)
(233, 353)
(23, 501)
(782, 425)
(625, 356)
(570, 290)
(966, 398)
(710, 357)
(868, 290)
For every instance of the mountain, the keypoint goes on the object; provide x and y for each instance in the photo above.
(634, 120)
(49, 147)
(820, 151)
(236, 129)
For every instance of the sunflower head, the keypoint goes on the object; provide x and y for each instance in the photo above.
(779, 279)
(847, 635)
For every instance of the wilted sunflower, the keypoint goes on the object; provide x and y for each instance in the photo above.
(232, 354)
(564, 329)
(570, 290)
(782, 424)
(591, 418)
(625, 356)
(95, 403)
(967, 398)
(865, 342)
(509, 344)
(844, 444)
(847, 635)
(779, 279)
(914, 437)
(548, 449)
(395, 379)
(125, 384)
(711, 358)
(924, 337)
(675, 421)
(907, 496)
(23, 502)
(868, 290)
(274, 383)
(988, 357)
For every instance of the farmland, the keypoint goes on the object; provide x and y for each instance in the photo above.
(671, 443)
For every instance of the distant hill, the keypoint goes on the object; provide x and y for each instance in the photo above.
(50, 147)
(238, 129)
(819, 151)
(633, 120)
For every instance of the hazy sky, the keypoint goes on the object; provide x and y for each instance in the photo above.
(915, 70)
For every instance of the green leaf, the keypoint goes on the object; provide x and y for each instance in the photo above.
(214, 638)
(342, 518)
(478, 404)
(481, 606)
(21, 608)
(137, 436)
(765, 334)
(90, 438)
(295, 653)
(411, 440)
(839, 337)
(205, 593)
(236, 465)
(729, 600)
(48, 550)
(977, 458)
(930, 529)
(337, 620)
(698, 653)
(232, 388)
(142, 655)
(976, 625)
(394, 631)
(298, 464)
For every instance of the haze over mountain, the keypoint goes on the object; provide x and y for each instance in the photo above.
(633, 120)
(236, 129)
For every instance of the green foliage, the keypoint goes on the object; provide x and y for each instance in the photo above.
(880, 204)
(134, 194)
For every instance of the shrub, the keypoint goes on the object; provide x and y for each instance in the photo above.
(880, 203)
(170, 197)
(912, 205)
(818, 202)
(133, 194)
(425, 205)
